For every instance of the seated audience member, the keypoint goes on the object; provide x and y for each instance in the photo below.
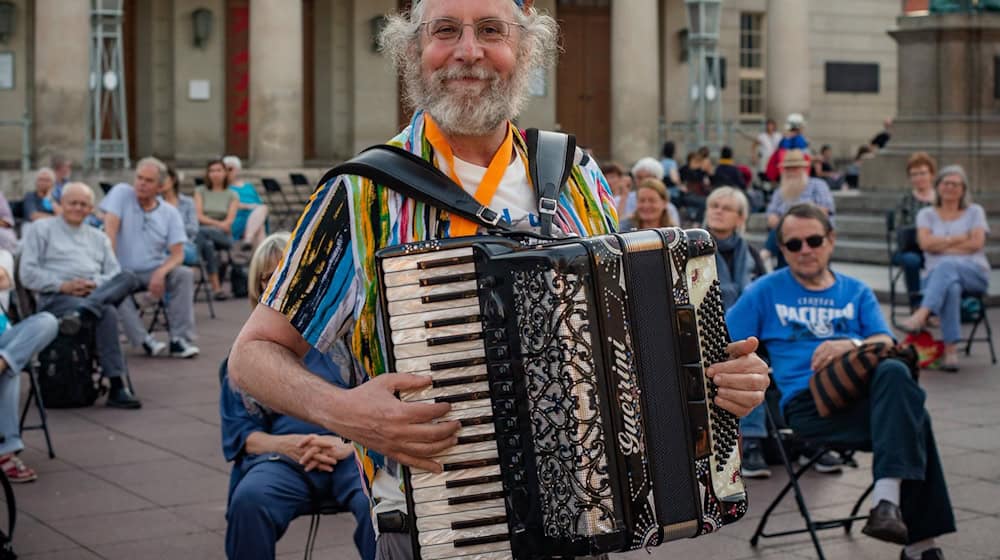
(652, 207)
(40, 203)
(671, 175)
(62, 168)
(796, 187)
(148, 238)
(649, 168)
(251, 218)
(18, 343)
(8, 235)
(795, 137)
(284, 466)
(738, 263)
(920, 168)
(215, 205)
(72, 267)
(620, 183)
(807, 316)
(171, 193)
(952, 234)
(727, 173)
(852, 175)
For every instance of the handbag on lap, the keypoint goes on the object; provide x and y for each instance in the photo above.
(845, 380)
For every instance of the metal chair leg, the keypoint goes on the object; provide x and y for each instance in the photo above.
(36, 395)
(208, 292)
(857, 506)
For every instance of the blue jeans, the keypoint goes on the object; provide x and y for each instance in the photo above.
(911, 262)
(943, 292)
(17, 345)
(271, 494)
(893, 423)
(754, 425)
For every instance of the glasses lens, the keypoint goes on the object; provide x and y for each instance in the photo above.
(814, 241)
(793, 245)
(492, 30)
(445, 29)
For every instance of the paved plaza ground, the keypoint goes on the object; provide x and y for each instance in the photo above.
(152, 483)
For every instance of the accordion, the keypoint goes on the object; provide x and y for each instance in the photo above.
(576, 368)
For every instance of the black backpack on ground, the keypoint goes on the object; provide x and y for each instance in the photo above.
(238, 280)
(66, 374)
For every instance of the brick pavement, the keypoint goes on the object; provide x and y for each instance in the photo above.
(152, 483)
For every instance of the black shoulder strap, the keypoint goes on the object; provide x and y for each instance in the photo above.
(550, 159)
(415, 178)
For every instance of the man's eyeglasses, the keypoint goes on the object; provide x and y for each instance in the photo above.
(450, 30)
(795, 245)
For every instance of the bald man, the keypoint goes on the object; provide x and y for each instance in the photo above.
(73, 268)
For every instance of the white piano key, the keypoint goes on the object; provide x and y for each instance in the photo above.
(417, 349)
(428, 480)
(413, 291)
(477, 411)
(464, 448)
(447, 536)
(410, 306)
(441, 493)
(421, 334)
(402, 278)
(505, 554)
(414, 320)
(431, 393)
(424, 363)
(442, 507)
(454, 459)
(441, 551)
(411, 262)
(445, 521)
(452, 373)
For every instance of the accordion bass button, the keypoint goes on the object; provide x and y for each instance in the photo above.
(509, 425)
(503, 389)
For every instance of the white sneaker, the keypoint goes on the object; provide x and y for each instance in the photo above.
(153, 347)
(180, 348)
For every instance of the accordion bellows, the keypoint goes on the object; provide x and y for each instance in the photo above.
(576, 368)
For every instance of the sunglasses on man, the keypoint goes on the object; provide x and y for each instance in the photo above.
(795, 244)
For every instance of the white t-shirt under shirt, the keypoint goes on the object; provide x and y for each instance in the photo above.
(514, 200)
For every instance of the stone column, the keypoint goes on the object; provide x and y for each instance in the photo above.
(276, 83)
(62, 69)
(788, 61)
(635, 79)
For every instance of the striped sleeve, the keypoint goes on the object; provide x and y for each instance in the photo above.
(315, 285)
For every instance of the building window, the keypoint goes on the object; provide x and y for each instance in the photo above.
(751, 65)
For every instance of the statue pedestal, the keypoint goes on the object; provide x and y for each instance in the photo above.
(949, 99)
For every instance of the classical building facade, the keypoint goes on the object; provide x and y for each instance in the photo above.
(286, 83)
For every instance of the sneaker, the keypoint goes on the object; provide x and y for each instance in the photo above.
(754, 465)
(16, 470)
(829, 463)
(123, 398)
(180, 348)
(153, 347)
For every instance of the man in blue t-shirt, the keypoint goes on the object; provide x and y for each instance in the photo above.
(806, 316)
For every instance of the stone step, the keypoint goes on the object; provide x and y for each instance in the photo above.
(877, 202)
(868, 251)
(869, 227)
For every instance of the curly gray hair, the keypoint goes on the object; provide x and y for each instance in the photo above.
(537, 48)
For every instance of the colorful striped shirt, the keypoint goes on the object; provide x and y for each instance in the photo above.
(326, 284)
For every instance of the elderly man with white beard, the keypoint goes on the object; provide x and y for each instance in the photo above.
(466, 67)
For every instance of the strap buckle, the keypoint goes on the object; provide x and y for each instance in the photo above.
(488, 216)
(547, 205)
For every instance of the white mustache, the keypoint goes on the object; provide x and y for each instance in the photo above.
(465, 72)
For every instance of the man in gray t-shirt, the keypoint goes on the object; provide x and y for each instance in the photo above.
(148, 237)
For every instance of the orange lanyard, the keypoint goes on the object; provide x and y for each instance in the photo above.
(461, 227)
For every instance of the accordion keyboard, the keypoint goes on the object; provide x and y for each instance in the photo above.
(437, 332)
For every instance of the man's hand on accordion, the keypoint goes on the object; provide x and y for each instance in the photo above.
(403, 431)
(742, 379)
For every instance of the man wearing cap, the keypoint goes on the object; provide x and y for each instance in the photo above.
(794, 138)
(465, 65)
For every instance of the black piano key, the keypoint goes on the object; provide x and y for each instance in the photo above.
(459, 500)
(476, 438)
(451, 382)
(477, 421)
(450, 261)
(471, 464)
(473, 523)
(438, 280)
(473, 481)
(434, 298)
(439, 340)
(474, 396)
(434, 323)
(482, 540)
(438, 366)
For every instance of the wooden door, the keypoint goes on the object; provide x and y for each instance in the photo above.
(238, 78)
(583, 101)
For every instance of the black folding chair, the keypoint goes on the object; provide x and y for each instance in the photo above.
(302, 186)
(281, 208)
(35, 396)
